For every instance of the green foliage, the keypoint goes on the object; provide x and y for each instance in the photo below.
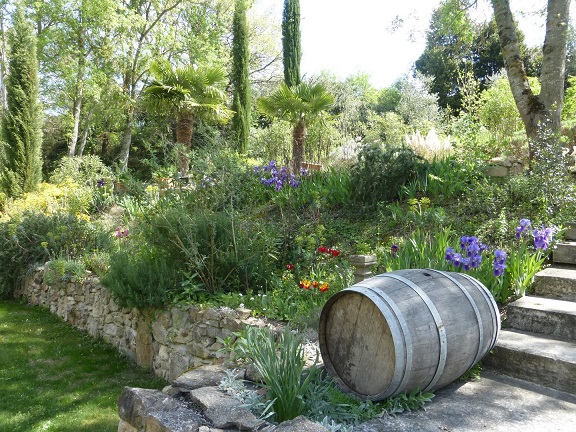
(406, 402)
(498, 113)
(138, 278)
(448, 51)
(191, 94)
(84, 170)
(22, 125)
(218, 251)
(569, 107)
(388, 128)
(380, 173)
(291, 48)
(428, 250)
(419, 250)
(242, 100)
(63, 270)
(34, 238)
(418, 104)
(444, 179)
(280, 361)
(323, 401)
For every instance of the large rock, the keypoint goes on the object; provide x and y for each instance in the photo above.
(181, 420)
(203, 376)
(224, 411)
(300, 424)
(134, 405)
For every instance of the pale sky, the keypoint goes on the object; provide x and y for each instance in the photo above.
(350, 36)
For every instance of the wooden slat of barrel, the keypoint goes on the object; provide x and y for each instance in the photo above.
(406, 329)
(362, 346)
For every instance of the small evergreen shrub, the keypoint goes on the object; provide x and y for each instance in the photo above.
(380, 173)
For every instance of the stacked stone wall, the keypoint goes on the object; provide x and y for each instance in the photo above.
(169, 341)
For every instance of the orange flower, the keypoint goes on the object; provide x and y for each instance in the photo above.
(305, 284)
(315, 284)
(324, 287)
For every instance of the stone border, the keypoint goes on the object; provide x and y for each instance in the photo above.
(169, 342)
(194, 403)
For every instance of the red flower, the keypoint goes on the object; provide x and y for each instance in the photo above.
(324, 287)
(334, 252)
(315, 284)
(322, 249)
(290, 266)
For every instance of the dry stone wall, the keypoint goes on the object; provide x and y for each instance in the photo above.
(169, 342)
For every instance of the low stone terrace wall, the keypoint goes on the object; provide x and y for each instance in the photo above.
(169, 342)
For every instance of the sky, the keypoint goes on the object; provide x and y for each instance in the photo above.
(346, 37)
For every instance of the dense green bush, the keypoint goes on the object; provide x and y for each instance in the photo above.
(177, 246)
(34, 238)
(88, 170)
(381, 172)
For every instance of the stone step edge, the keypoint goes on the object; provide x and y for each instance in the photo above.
(545, 304)
(524, 355)
(536, 340)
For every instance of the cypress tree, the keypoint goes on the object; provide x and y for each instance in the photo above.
(22, 124)
(240, 79)
(291, 49)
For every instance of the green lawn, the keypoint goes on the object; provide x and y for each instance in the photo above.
(56, 378)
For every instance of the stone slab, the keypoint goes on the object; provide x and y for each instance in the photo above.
(223, 410)
(540, 359)
(565, 253)
(570, 233)
(543, 315)
(203, 376)
(495, 403)
(556, 282)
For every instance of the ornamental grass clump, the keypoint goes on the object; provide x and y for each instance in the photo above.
(280, 361)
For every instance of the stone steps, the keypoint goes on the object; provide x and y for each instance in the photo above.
(539, 343)
(540, 359)
(556, 282)
(570, 233)
(565, 253)
(550, 317)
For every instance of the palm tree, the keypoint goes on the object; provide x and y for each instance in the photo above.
(299, 105)
(190, 94)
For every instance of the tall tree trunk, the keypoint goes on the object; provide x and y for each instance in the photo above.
(184, 131)
(76, 111)
(127, 137)
(77, 104)
(84, 137)
(298, 139)
(540, 113)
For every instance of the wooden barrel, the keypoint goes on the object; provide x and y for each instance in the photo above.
(406, 329)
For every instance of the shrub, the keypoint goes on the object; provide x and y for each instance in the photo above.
(138, 278)
(34, 238)
(381, 172)
(85, 170)
(217, 250)
(63, 270)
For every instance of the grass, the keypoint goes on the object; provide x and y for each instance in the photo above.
(56, 378)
